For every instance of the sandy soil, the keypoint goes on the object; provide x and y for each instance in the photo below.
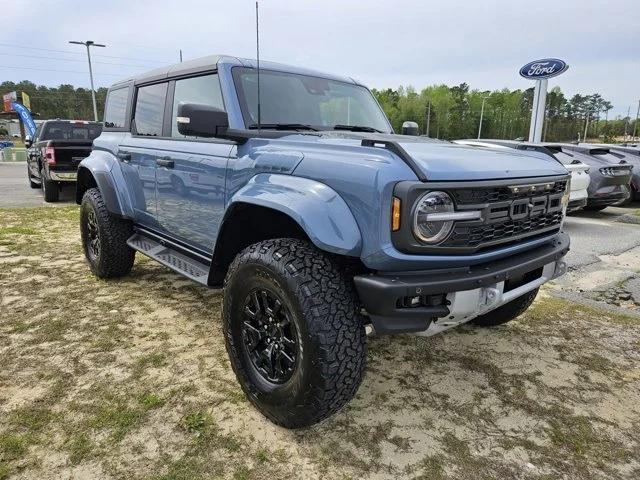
(130, 379)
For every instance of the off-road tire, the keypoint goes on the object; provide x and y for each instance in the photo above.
(115, 257)
(32, 184)
(506, 312)
(50, 190)
(330, 331)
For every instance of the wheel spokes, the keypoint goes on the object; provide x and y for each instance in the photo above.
(269, 335)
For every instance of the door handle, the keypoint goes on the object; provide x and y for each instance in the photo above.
(124, 156)
(165, 162)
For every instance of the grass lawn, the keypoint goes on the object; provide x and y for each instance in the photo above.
(130, 379)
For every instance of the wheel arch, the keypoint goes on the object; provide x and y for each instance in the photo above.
(276, 206)
(97, 171)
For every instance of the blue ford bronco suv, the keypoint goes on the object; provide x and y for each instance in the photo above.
(289, 188)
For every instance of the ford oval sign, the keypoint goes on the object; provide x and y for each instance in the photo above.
(545, 68)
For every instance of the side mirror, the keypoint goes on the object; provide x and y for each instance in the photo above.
(198, 120)
(410, 128)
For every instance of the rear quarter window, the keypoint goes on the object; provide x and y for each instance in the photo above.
(115, 110)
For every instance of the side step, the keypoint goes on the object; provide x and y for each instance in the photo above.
(187, 266)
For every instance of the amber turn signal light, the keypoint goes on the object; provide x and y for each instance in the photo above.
(395, 214)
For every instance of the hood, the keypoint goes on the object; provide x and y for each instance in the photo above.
(444, 161)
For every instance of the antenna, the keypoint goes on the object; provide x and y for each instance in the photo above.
(258, 60)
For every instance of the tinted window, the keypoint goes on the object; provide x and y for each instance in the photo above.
(115, 110)
(70, 131)
(150, 109)
(204, 90)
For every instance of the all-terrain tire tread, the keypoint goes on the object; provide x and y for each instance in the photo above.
(116, 257)
(328, 301)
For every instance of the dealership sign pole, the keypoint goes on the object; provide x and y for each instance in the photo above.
(541, 71)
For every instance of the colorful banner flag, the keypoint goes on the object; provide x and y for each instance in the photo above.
(25, 116)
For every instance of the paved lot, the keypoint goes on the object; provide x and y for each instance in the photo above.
(15, 191)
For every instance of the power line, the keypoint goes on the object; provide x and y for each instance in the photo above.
(71, 60)
(61, 71)
(68, 52)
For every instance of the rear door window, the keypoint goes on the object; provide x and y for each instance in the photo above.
(204, 90)
(115, 110)
(149, 112)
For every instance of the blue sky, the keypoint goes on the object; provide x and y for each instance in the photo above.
(382, 43)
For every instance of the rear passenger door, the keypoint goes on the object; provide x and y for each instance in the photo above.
(191, 172)
(140, 153)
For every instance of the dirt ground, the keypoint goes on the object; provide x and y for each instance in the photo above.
(130, 379)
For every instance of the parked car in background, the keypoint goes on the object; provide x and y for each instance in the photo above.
(616, 173)
(317, 219)
(580, 178)
(55, 152)
(627, 152)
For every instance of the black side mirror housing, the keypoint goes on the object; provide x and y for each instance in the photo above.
(198, 120)
(410, 128)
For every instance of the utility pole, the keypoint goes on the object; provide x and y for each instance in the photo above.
(91, 43)
(429, 118)
(180, 55)
(586, 125)
(626, 123)
(635, 125)
(481, 116)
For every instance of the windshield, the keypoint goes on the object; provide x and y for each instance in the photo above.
(71, 131)
(292, 99)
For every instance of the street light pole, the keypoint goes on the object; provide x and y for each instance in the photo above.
(88, 44)
(481, 116)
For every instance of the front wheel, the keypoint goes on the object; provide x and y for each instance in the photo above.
(506, 312)
(293, 331)
(104, 238)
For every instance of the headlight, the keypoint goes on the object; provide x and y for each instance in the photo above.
(429, 226)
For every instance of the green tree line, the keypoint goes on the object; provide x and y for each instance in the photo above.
(448, 112)
(65, 101)
(454, 112)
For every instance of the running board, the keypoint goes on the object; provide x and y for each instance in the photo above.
(189, 267)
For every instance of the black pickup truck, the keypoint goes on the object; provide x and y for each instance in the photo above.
(55, 151)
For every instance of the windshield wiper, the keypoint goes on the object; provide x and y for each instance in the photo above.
(282, 126)
(356, 128)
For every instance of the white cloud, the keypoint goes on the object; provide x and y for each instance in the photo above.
(383, 43)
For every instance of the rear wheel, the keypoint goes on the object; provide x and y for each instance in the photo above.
(104, 238)
(506, 312)
(50, 189)
(293, 331)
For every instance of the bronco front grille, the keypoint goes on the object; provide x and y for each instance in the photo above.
(509, 212)
(470, 196)
(463, 236)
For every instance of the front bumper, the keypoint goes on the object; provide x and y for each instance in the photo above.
(467, 292)
(576, 204)
(63, 176)
(609, 195)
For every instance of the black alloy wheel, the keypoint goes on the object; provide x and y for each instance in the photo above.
(270, 338)
(93, 235)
